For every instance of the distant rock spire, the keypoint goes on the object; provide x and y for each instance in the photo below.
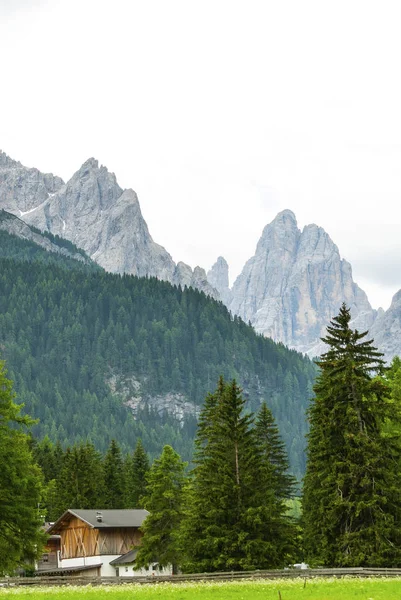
(218, 278)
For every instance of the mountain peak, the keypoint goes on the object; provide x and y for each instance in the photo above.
(218, 278)
(6, 161)
(285, 216)
(91, 163)
(396, 301)
(221, 261)
(316, 242)
(294, 284)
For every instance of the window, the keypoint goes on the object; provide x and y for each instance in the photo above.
(117, 572)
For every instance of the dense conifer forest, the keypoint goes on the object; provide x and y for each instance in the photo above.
(67, 328)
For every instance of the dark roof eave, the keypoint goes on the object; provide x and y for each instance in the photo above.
(125, 559)
(61, 571)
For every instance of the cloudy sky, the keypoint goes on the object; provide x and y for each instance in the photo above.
(220, 114)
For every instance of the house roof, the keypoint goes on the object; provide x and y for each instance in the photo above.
(66, 570)
(125, 559)
(102, 519)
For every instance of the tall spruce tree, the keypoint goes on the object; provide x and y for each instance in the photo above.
(352, 501)
(274, 454)
(233, 518)
(137, 467)
(21, 538)
(164, 497)
(80, 482)
(113, 477)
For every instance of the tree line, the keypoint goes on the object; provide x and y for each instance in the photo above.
(229, 510)
(81, 477)
(234, 495)
(231, 513)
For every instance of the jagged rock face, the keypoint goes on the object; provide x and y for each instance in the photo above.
(22, 189)
(172, 403)
(386, 330)
(93, 212)
(218, 278)
(295, 284)
(200, 282)
(184, 276)
(14, 226)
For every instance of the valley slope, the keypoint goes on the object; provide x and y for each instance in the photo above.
(98, 356)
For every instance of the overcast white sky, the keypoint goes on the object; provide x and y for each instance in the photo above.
(219, 114)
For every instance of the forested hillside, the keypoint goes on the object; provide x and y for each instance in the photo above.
(67, 330)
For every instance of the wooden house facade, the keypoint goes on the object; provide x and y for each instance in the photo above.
(91, 539)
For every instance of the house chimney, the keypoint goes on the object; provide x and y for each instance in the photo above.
(99, 517)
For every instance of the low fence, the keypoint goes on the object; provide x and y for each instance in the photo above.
(61, 580)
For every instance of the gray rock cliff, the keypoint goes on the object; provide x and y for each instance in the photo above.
(184, 276)
(386, 330)
(96, 214)
(295, 283)
(23, 189)
(218, 278)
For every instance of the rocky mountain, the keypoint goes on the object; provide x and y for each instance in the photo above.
(218, 278)
(96, 214)
(289, 290)
(295, 283)
(23, 189)
(386, 330)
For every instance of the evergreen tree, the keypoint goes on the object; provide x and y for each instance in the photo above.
(163, 500)
(351, 503)
(393, 380)
(113, 477)
(80, 483)
(274, 454)
(45, 455)
(234, 519)
(20, 486)
(137, 468)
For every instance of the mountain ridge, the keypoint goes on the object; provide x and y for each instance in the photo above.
(96, 214)
(289, 290)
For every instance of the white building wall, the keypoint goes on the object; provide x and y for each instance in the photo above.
(108, 570)
(129, 571)
(105, 570)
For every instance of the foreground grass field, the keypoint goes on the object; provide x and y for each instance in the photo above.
(315, 589)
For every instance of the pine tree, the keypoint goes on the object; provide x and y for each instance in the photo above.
(136, 471)
(113, 477)
(80, 482)
(233, 520)
(274, 453)
(21, 538)
(351, 503)
(164, 497)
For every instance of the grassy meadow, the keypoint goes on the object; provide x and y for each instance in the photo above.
(315, 589)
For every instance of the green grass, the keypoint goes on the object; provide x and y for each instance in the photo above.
(316, 589)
